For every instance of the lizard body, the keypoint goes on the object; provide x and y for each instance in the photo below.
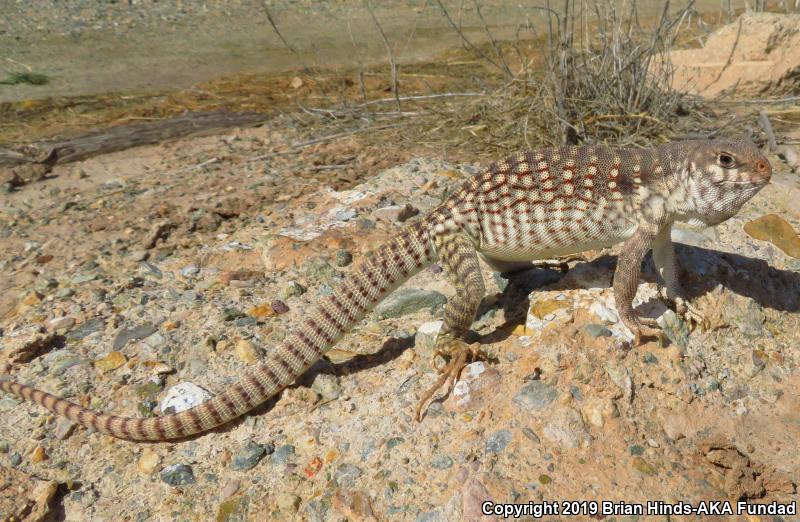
(534, 205)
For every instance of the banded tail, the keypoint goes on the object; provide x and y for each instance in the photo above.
(387, 268)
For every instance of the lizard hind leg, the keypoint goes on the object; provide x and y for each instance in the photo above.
(458, 257)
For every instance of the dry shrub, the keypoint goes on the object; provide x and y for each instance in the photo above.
(597, 74)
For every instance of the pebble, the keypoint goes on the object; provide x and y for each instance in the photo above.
(343, 258)
(535, 395)
(183, 396)
(189, 271)
(597, 330)
(642, 466)
(148, 461)
(395, 213)
(38, 455)
(346, 474)
(261, 311)
(110, 362)
(565, 427)
(63, 293)
(675, 328)
(61, 323)
(292, 289)
(247, 457)
(497, 441)
(85, 329)
(777, 231)
(282, 454)
(246, 351)
(133, 334)
(425, 338)
(409, 300)
(287, 503)
(327, 386)
(178, 475)
(279, 306)
(441, 462)
(64, 428)
(16, 459)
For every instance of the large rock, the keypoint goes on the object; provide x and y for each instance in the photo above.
(764, 60)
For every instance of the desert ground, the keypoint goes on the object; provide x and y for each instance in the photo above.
(145, 273)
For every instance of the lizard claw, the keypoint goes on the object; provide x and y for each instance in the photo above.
(460, 352)
(691, 314)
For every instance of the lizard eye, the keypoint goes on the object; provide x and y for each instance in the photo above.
(725, 160)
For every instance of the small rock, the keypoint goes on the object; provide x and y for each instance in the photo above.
(183, 396)
(476, 386)
(288, 503)
(565, 427)
(346, 474)
(343, 258)
(233, 510)
(261, 311)
(535, 395)
(247, 457)
(642, 466)
(139, 255)
(282, 454)
(597, 330)
(63, 293)
(279, 306)
(61, 324)
(110, 362)
(133, 334)
(327, 386)
(675, 329)
(38, 455)
(64, 428)
(178, 475)
(148, 461)
(425, 338)
(246, 351)
(409, 300)
(395, 213)
(441, 462)
(675, 425)
(777, 231)
(292, 289)
(497, 441)
(189, 271)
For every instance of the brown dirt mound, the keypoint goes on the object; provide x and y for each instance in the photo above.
(755, 55)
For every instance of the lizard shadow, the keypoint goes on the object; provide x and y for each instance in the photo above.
(702, 270)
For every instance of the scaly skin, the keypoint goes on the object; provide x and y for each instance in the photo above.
(531, 206)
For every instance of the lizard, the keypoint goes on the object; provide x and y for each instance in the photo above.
(530, 206)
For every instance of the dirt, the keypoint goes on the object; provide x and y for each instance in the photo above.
(195, 249)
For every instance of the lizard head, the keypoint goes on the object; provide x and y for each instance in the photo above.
(723, 174)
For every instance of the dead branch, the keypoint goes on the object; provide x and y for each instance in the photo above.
(767, 127)
(392, 63)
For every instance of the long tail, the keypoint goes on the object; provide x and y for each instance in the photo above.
(386, 269)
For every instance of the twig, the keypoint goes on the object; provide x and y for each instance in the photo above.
(790, 99)
(277, 31)
(297, 146)
(30, 69)
(466, 41)
(423, 97)
(767, 127)
(392, 63)
(730, 56)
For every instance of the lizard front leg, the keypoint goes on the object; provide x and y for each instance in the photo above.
(626, 278)
(666, 263)
(459, 259)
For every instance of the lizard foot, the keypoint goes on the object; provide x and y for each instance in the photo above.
(642, 327)
(691, 314)
(459, 352)
(559, 263)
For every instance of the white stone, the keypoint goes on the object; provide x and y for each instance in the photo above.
(183, 396)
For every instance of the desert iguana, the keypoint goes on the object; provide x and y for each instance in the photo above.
(534, 205)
